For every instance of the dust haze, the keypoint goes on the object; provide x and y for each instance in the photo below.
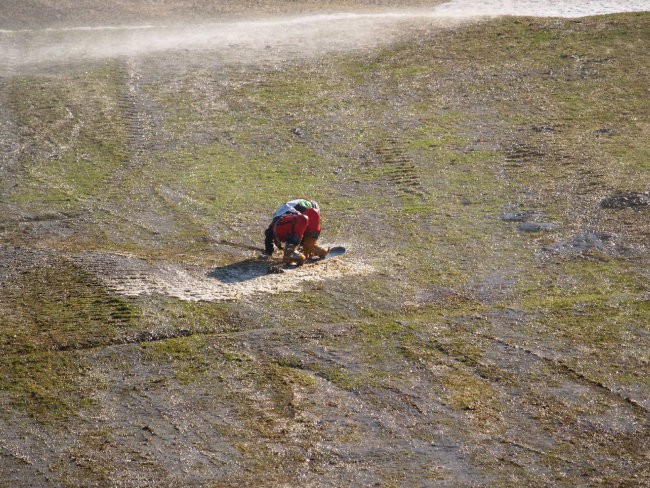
(248, 39)
(271, 36)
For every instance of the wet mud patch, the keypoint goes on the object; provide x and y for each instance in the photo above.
(132, 276)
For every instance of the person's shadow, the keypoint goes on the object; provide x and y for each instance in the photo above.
(245, 270)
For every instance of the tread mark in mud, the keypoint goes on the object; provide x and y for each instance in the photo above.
(590, 181)
(9, 140)
(398, 168)
(137, 110)
(520, 155)
(558, 364)
(63, 306)
(140, 337)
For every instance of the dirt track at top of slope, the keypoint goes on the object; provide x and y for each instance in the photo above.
(17, 14)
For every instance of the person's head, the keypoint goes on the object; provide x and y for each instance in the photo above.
(304, 205)
(313, 203)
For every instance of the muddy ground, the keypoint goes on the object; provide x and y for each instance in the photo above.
(488, 325)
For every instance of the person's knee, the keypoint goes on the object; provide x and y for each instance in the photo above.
(293, 239)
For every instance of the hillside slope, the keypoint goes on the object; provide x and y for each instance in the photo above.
(488, 325)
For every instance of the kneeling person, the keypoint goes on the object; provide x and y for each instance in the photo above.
(310, 234)
(290, 230)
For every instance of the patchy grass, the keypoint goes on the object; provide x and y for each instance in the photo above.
(61, 306)
(45, 385)
(77, 132)
(470, 336)
(49, 312)
(185, 353)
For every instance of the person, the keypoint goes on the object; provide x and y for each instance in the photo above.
(295, 224)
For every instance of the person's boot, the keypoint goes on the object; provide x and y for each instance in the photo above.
(268, 241)
(293, 256)
(311, 249)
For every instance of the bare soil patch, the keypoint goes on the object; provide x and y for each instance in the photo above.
(130, 276)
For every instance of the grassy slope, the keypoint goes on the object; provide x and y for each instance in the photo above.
(530, 362)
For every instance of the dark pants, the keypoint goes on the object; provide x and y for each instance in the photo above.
(269, 239)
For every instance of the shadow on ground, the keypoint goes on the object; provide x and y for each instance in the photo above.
(241, 271)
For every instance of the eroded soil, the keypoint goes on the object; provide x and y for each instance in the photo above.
(488, 325)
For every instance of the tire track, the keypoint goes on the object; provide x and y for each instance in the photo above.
(257, 334)
(56, 304)
(558, 365)
(520, 155)
(398, 168)
(137, 109)
(9, 141)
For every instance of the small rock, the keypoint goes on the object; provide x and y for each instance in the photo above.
(524, 216)
(606, 131)
(580, 244)
(297, 131)
(515, 216)
(537, 227)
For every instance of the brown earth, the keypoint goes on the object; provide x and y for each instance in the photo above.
(488, 325)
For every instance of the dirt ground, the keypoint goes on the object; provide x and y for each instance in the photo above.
(31, 14)
(488, 325)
